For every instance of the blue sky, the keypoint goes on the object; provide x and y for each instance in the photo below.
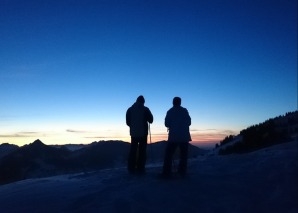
(70, 69)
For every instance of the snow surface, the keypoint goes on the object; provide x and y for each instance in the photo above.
(262, 181)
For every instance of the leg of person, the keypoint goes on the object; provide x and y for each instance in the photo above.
(142, 155)
(167, 165)
(183, 158)
(131, 166)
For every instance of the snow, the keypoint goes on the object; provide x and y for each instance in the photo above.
(262, 181)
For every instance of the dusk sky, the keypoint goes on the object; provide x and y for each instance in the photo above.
(70, 69)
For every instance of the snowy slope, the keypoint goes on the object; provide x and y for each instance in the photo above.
(262, 181)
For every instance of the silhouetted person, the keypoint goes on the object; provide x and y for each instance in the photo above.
(137, 118)
(177, 121)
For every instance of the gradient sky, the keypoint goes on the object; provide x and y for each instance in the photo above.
(70, 69)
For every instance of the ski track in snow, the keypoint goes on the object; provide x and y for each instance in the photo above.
(262, 181)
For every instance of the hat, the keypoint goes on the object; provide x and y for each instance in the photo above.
(141, 99)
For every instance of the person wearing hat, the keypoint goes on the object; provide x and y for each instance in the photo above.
(177, 121)
(137, 118)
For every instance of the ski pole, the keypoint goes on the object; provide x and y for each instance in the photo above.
(149, 132)
(150, 148)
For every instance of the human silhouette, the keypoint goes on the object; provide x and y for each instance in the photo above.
(137, 118)
(177, 121)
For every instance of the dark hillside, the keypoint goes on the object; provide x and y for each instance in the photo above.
(33, 160)
(6, 149)
(271, 132)
(103, 154)
(39, 160)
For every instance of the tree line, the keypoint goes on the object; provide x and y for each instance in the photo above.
(273, 131)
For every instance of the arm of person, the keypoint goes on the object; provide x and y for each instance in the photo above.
(149, 116)
(167, 120)
(128, 122)
(188, 118)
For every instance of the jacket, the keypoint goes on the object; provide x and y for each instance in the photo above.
(137, 118)
(178, 121)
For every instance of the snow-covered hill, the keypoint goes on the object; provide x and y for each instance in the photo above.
(261, 181)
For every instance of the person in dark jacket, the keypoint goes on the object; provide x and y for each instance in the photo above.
(177, 121)
(137, 118)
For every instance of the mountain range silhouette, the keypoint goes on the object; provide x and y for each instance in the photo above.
(37, 160)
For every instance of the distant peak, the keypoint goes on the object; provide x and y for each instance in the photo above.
(7, 144)
(38, 142)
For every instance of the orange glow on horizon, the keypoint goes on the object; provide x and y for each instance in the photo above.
(203, 137)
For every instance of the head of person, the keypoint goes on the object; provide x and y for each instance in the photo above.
(177, 101)
(141, 99)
